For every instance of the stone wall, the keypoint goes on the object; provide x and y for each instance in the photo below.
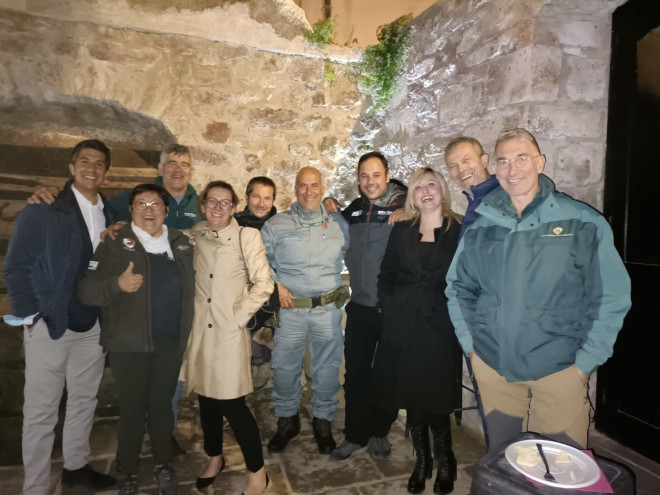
(479, 67)
(244, 111)
(234, 80)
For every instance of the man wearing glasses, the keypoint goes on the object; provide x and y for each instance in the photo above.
(49, 251)
(537, 294)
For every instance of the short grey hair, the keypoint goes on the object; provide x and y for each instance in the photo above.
(516, 134)
(177, 149)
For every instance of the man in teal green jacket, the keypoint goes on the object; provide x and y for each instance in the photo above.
(537, 294)
(174, 174)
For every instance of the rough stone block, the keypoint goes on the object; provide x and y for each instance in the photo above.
(317, 122)
(217, 132)
(420, 69)
(318, 99)
(306, 71)
(454, 105)
(580, 162)
(514, 38)
(300, 149)
(581, 33)
(587, 79)
(346, 100)
(328, 145)
(531, 73)
(579, 121)
(274, 118)
(117, 52)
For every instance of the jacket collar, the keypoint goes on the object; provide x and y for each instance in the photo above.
(500, 200)
(190, 190)
(247, 219)
(307, 218)
(66, 201)
(480, 190)
(393, 192)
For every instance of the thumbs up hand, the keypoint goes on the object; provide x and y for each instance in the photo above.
(129, 281)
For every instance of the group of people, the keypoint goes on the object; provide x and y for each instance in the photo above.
(527, 284)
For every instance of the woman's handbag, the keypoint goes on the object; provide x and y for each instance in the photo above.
(269, 312)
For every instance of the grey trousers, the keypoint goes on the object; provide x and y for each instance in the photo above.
(76, 361)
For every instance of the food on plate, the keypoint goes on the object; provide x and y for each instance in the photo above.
(527, 456)
(563, 458)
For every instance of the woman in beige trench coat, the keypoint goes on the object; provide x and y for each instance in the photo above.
(216, 364)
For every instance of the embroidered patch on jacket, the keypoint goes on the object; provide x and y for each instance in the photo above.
(93, 265)
(183, 247)
(190, 214)
(384, 212)
(557, 232)
(356, 213)
(129, 244)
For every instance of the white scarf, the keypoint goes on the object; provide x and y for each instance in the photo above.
(154, 245)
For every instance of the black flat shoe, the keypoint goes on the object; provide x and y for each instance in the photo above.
(202, 483)
(265, 487)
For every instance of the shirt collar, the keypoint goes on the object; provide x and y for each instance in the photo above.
(82, 200)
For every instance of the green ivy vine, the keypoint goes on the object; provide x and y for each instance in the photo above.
(321, 33)
(382, 64)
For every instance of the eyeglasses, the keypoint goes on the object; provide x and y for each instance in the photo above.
(143, 205)
(214, 203)
(517, 161)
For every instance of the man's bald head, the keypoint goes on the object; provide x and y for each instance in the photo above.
(309, 188)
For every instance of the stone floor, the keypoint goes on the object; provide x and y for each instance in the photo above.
(300, 469)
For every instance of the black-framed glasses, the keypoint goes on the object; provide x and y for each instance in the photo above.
(143, 205)
(212, 203)
(517, 161)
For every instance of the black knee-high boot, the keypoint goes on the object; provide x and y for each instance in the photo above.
(444, 456)
(424, 464)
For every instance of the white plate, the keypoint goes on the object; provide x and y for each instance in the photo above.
(580, 472)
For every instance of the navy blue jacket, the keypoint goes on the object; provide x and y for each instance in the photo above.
(48, 254)
(478, 193)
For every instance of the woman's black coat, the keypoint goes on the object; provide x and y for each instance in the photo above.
(415, 366)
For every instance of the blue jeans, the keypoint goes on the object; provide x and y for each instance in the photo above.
(323, 326)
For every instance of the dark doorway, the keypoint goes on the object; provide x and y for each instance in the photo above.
(627, 404)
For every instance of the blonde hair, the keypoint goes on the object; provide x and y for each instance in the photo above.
(411, 208)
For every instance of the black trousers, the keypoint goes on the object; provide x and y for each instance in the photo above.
(146, 382)
(363, 418)
(242, 423)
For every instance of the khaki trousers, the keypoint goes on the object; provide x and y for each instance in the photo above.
(76, 361)
(556, 405)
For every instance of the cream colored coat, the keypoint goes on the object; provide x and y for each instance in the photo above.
(216, 363)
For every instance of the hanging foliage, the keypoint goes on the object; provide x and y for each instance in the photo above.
(321, 33)
(383, 63)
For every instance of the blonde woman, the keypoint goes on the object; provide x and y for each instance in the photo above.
(416, 356)
(216, 363)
